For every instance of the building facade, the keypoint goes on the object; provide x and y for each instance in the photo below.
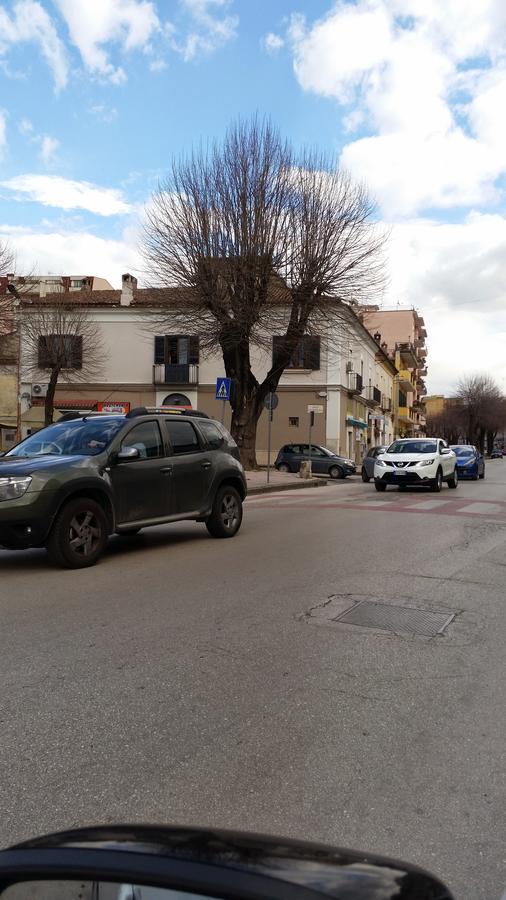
(347, 377)
(402, 333)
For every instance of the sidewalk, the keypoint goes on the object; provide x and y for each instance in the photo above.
(279, 481)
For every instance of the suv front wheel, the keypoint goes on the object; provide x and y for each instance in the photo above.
(226, 516)
(79, 534)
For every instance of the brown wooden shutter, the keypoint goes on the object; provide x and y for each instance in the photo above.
(193, 350)
(159, 349)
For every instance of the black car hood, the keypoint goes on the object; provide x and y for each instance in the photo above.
(18, 465)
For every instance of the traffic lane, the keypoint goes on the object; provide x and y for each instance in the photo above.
(155, 687)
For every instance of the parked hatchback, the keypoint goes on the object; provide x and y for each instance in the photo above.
(323, 461)
(71, 485)
(368, 462)
(470, 462)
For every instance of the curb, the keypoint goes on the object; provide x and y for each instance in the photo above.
(293, 486)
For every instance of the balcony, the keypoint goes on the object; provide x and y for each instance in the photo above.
(170, 374)
(423, 372)
(407, 355)
(405, 380)
(386, 403)
(355, 383)
(372, 396)
(405, 415)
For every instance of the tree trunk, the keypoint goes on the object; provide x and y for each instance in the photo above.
(49, 401)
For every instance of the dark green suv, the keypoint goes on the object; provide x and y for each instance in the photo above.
(71, 485)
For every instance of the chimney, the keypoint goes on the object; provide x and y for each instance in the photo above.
(377, 337)
(66, 283)
(128, 286)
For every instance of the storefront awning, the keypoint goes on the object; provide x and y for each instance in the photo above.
(359, 423)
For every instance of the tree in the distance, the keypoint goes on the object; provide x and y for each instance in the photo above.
(60, 340)
(483, 407)
(261, 243)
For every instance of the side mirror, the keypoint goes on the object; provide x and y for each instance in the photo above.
(445, 451)
(140, 862)
(128, 453)
(381, 452)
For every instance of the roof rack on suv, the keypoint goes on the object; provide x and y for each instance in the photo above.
(165, 410)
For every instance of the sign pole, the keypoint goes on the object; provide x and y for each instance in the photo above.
(223, 412)
(271, 411)
(311, 423)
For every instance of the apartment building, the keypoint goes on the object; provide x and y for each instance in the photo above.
(346, 376)
(402, 334)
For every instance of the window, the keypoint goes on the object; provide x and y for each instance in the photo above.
(183, 437)
(315, 451)
(305, 356)
(146, 438)
(64, 350)
(177, 400)
(212, 434)
(176, 349)
(293, 421)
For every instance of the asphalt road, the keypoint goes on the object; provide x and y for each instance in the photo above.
(191, 680)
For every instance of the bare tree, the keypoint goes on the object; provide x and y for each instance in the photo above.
(483, 407)
(448, 424)
(61, 339)
(261, 243)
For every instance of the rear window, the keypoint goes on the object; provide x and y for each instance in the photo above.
(183, 437)
(212, 434)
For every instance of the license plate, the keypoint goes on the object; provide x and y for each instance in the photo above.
(400, 472)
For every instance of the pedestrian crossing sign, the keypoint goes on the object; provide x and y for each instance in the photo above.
(223, 386)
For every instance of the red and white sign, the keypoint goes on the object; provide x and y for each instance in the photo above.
(113, 408)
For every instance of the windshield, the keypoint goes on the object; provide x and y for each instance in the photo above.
(80, 437)
(463, 451)
(413, 447)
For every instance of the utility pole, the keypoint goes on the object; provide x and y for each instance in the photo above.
(17, 318)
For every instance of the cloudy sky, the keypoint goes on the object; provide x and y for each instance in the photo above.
(98, 95)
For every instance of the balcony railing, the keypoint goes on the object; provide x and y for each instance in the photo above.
(372, 395)
(355, 383)
(407, 355)
(168, 373)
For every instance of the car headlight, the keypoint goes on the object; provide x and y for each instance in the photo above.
(470, 462)
(426, 462)
(349, 462)
(12, 488)
(380, 462)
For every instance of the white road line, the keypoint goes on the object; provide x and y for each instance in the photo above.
(482, 508)
(428, 504)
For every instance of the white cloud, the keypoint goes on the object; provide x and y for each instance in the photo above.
(25, 127)
(48, 147)
(92, 26)
(51, 190)
(75, 251)
(30, 23)
(209, 30)
(104, 113)
(273, 42)
(456, 274)
(425, 81)
(157, 65)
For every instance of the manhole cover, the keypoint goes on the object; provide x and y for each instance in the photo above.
(369, 614)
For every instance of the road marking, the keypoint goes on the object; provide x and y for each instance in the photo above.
(428, 504)
(482, 508)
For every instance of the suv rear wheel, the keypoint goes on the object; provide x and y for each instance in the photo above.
(226, 516)
(79, 534)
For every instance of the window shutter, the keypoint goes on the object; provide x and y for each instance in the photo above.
(43, 354)
(75, 360)
(311, 353)
(193, 354)
(172, 343)
(159, 349)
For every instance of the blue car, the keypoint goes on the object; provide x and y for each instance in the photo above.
(470, 462)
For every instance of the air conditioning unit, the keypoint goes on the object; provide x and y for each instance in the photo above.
(39, 390)
(349, 366)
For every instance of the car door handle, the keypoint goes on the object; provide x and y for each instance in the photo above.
(205, 464)
(167, 470)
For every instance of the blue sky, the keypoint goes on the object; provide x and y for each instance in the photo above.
(97, 95)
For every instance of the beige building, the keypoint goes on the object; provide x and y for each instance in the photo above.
(347, 377)
(402, 334)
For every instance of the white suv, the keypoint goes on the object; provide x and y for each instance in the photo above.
(414, 461)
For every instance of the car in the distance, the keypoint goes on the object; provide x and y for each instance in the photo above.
(72, 484)
(368, 462)
(470, 462)
(416, 462)
(323, 461)
(497, 453)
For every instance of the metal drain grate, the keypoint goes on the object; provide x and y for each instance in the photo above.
(369, 614)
